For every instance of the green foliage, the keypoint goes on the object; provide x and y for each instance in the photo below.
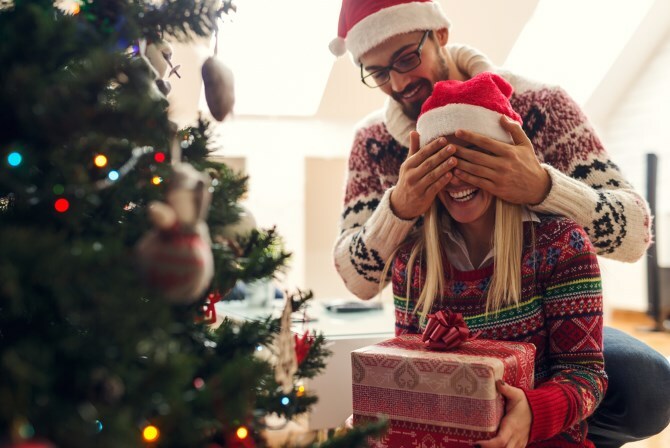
(89, 355)
(357, 436)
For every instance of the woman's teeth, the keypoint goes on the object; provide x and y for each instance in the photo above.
(463, 195)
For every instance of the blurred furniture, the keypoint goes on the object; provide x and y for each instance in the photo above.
(658, 277)
(344, 332)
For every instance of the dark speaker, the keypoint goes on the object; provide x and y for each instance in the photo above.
(658, 277)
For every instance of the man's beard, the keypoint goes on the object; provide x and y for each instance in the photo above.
(413, 109)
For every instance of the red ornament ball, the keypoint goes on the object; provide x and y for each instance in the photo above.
(61, 205)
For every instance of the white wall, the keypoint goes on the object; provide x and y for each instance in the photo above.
(638, 124)
(275, 151)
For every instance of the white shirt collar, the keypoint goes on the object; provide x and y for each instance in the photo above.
(457, 250)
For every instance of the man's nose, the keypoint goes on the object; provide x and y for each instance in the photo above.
(398, 81)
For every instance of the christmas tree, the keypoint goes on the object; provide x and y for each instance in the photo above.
(112, 249)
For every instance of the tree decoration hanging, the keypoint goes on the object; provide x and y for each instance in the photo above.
(159, 53)
(287, 362)
(176, 256)
(218, 78)
(219, 89)
(302, 346)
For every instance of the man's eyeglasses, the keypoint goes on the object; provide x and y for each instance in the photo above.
(403, 64)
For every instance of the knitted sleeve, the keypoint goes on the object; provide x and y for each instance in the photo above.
(586, 185)
(369, 231)
(572, 305)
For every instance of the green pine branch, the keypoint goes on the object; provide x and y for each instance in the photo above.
(89, 354)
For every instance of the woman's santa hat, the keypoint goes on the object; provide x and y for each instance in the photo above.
(475, 105)
(364, 24)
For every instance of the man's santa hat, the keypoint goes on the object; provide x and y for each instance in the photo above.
(474, 105)
(364, 24)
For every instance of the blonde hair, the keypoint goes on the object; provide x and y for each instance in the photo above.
(429, 247)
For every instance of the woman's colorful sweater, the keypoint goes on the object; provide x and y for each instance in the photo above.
(560, 312)
(586, 185)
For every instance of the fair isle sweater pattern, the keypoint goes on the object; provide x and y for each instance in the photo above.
(586, 185)
(560, 312)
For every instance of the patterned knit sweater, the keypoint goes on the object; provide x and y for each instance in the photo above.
(560, 312)
(586, 185)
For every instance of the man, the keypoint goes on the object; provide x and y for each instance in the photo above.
(556, 165)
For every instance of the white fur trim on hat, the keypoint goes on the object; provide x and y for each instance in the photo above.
(388, 22)
(447, 119)
(337, 46)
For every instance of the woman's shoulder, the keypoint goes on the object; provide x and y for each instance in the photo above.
(403, 253)
(555, 222)
(554, 230)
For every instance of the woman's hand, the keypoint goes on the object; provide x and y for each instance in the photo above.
(514, 429)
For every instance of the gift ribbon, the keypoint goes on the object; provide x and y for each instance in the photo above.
(446, 331)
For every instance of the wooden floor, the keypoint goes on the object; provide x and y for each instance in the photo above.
(636, 324)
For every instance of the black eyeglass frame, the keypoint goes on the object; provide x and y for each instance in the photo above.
(392, 67)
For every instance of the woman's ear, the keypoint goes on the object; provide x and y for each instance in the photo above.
(442, 36)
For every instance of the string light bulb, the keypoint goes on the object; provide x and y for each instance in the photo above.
(100, 161)
(62, 205)
(156, 180)
(14, 159)
(25, 430)
(71, 6)
(150, 433)
(301, 391)
(159, 157)
(113, 175)
(242, 433)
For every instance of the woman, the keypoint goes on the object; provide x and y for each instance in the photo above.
(512, 274)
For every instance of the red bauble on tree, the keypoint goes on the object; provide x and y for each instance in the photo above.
(302, 345)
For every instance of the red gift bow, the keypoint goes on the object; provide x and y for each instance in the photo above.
(446, 331)
(302, 345)
(209, 309)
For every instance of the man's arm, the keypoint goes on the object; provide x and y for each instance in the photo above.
(366, 241)
(588, 187)
(374, 222)
(578, 179)
(369, 231)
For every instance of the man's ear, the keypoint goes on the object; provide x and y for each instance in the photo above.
(442, 36)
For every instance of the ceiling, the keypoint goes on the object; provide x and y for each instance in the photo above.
(593, 49)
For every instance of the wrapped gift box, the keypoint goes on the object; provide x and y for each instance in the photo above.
(437, 398)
